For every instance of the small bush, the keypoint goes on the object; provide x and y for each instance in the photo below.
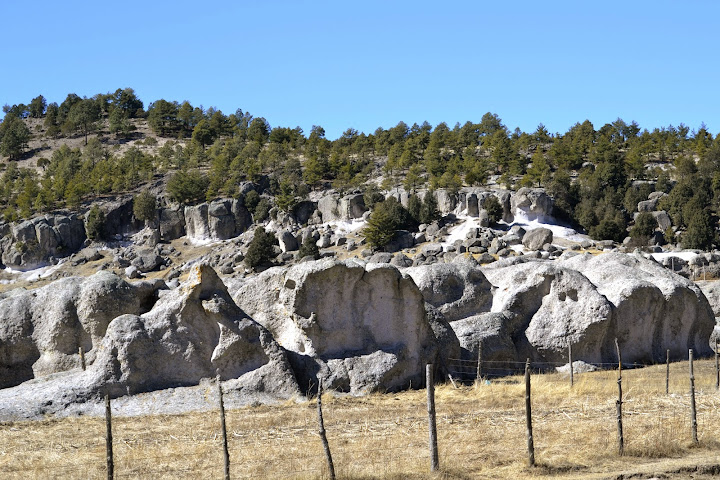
(309, 248)
(493, 208)
(144, 206)
(260, 250)
(95, 223)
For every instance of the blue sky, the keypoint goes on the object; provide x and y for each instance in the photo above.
(375, 63)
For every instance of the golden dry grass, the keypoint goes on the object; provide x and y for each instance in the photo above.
(481, 434)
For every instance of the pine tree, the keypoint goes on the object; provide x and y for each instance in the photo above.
(381, 226)
(260, 250)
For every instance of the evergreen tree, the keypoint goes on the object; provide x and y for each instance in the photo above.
(95, 223)
(700, 232)
(380, 228)
(429, 210)
(309, 248)
(260, 250)
(14, 137)
(144, 206)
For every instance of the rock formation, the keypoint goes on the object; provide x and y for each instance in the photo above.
(363, 327)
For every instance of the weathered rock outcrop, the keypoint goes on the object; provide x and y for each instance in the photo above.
(334, 207)
(362, 327)
(191, 333)
(534, 202)
(540, 307)
(31, 243)
(41, 330)
(590, 300)
(456, 290)
(219, 220)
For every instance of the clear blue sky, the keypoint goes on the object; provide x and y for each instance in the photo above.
(373, 63)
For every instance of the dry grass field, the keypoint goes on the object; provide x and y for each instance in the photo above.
(481, 434)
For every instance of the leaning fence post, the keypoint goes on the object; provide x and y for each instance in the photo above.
(528, 416)
(226, 454)
(321, 431)
(430, 386)
(618, 403)
(109, 439)
(693, 412)
(667, 371)
(572, 379)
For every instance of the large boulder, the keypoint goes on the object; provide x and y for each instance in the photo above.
(711, 290)
(42, 330)
(456, 290)
(360, 327)
(172, 223)
(537, 237)
(31, 243)
(192, 333)
(532, 203)
(333, 207)
(654, 309)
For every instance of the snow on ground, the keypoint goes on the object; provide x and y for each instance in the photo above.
(30, 275)
(559, 231)
(460, 230)
(344, 227)
(687, 256)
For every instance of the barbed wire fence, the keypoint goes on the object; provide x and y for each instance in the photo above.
(384, 443)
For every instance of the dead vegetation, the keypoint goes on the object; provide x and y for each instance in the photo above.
(481, 434)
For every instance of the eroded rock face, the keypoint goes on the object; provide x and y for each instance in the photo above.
(456, 290)
(30, 243)
(193, 332)
(219, 220)
(341, 315)
(654, 309)
(534, 202)
(41, 330)
(334, 207)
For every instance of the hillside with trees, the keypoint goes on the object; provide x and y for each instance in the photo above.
(67, 155)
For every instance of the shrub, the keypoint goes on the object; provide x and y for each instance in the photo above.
(187, 187)
(260, 250)
(95, 223)
(262, 210)
(309, 248)
(144, 206)
(644, 227)
(493, 208)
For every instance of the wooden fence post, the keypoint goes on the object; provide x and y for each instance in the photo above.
(82, 357)
(226, 453)
(572, 378)
(323, 436)
(478, 375)
(618, 403)
(528, 416)
(430, 386)
(717, 366)
(109, 439)
(693, 412)
(667, 371)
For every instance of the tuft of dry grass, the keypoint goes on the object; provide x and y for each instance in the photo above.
(481, 434)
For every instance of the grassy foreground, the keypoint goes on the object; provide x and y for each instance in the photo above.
(481, 434)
